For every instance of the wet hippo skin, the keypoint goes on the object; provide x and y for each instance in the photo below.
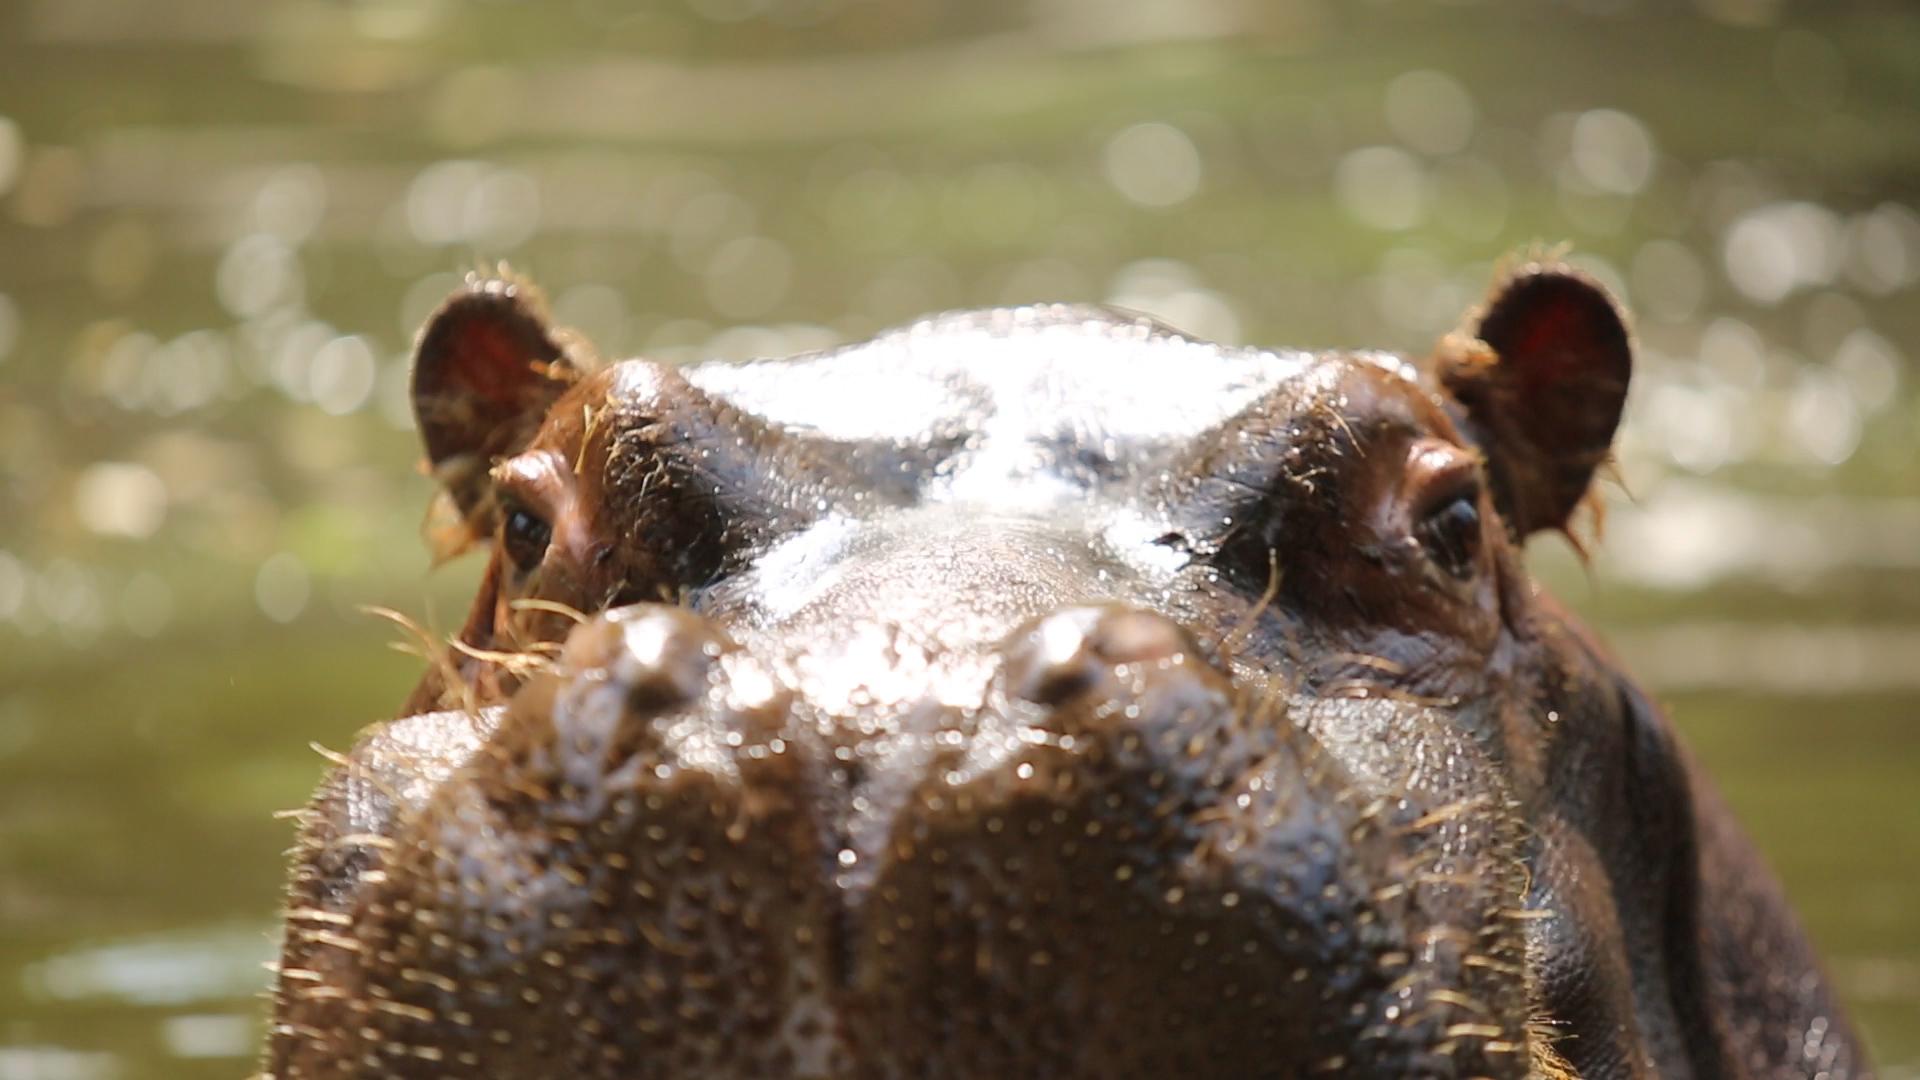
(1031, 692)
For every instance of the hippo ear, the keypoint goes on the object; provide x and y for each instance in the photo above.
(485, 371)
(1541, 372)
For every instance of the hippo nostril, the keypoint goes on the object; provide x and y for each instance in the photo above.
(1140, 637)
(1066, 654)
(663, 656)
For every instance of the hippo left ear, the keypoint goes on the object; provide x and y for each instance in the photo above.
(1541, 372)
(486, 369)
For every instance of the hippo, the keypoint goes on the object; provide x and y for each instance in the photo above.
(1031, 692)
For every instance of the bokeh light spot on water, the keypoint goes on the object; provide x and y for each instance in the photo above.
(1780, 247)
(289, 204)
(290, 360)
(1735, 352)
(1171, 291)
(421, 298)
(397, 20)
(1153, 164)
(176, 969)
(472, 202)
(208, 1035)
(702, 222)
(49, 186)
(68, 595)
(1822, 417)
(1871, 367)
(282, 587)
(12, 149)
(122, 366)
(1383, 187)
(503, 210)
(258, 272)
(1695, 423)
(1883, 248)
(1612, 151)
(120, 498)
(341, 375)
(185, 373)
(1830, 315)
(58, 1063)
(13, 585)
(1430, 111)
(9, 325)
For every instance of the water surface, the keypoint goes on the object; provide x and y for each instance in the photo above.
(221, 221)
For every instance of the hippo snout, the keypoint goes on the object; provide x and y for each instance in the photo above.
(1114, 861)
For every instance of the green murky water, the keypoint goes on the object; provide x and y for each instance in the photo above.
(220, 221)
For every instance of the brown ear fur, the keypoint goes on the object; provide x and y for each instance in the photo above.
(1541, 371)
(486, 369)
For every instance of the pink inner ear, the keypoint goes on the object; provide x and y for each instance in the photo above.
(492, 356)
(484, 374)
(495, 360)
(1549, 405)
(1546, 331)
(1556, 334)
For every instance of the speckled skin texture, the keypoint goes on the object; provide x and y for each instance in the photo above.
(1031, 692)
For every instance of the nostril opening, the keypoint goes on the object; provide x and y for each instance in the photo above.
(663, 657)
(1137, 637)
(1054, 661)
(1067, 653)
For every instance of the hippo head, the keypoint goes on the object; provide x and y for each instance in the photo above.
(1027, 692)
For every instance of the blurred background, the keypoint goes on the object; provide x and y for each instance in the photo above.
(221, 222)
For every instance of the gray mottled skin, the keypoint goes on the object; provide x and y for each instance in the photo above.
(1028, 693)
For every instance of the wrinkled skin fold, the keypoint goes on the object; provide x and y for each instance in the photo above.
(1031, 692)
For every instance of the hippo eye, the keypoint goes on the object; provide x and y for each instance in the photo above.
(1450, 532)
(525, 537)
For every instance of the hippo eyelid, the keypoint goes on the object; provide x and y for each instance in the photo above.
(532, 472)
(538, 481)
(1440, 473)
(531, 490)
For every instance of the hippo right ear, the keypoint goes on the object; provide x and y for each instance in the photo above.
(1541, 371)
(486, 369)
